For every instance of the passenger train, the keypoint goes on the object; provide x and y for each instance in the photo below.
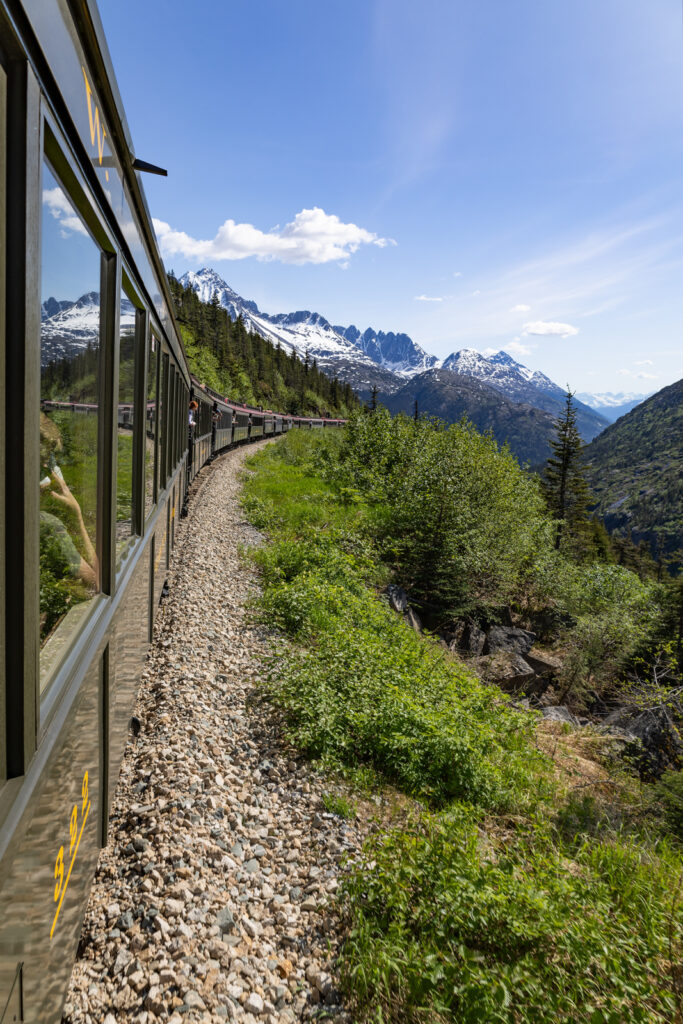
(102, 431)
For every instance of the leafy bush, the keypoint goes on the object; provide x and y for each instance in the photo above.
(447, 925)
(369, 691)
(453, 513)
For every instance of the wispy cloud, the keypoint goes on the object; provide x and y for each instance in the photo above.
(457, 273)
(549, 328)
(644, 362)
(637, 376)
(63, 212)
(312, 237)
(520, 308)
(516, 348)
(429, 298)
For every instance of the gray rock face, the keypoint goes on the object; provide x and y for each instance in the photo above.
(509, 638)
(398, 599)
(652, 740)
(559, 713)
(474, 639)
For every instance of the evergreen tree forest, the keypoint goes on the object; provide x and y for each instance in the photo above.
(244, 367)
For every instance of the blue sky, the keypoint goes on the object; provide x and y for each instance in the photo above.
(479, 174)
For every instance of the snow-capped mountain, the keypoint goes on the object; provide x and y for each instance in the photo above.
(386, 360)
(612, 405)
(520, 384)
(358, 357)
(396, 352)
(68, 327)
(500, 370)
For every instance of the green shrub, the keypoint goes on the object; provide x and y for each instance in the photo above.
(449, 925)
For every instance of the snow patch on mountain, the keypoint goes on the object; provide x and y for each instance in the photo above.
(68, 327)
(305, 331)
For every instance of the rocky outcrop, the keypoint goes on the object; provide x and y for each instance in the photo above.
(652, 738)
(509, 638)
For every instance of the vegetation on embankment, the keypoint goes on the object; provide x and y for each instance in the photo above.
(502, 895)
(244, 367)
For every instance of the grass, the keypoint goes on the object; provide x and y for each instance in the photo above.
(498, 897)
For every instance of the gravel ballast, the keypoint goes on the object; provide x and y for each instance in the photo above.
(212, 898)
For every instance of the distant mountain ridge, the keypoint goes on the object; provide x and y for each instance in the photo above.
(611, 405)
(450, 396)
(68, 326)
(387, 360)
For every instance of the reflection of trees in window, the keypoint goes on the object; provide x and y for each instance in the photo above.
(69, 414)
(125, 424)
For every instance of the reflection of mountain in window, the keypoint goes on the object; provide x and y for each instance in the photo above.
(69, 418)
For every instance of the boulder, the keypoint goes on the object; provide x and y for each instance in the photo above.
(543, 664)
(398, 599)
(510, 671)
(474, 639)
(559, 713)
(651, 739)
(509, 638)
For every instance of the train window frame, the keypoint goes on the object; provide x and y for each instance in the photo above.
(162, 439)
(152, 335)
(128, 289)
(52, 676)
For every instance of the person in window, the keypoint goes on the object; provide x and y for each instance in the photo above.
(193, 413)
(52, 530)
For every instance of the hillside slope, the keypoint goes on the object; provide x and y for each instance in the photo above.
(450, 396)
(636, 471)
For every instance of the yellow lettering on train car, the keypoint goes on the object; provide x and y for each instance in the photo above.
(97, 129)
(75, 835)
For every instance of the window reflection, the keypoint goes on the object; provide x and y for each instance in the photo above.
(151, 422)
(69, 418)
(125, 425)
(161, 424)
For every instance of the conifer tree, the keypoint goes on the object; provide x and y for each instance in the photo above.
(373, 398)
(416, 412)
(564, 481)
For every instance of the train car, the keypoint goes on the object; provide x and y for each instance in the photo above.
(98, 445)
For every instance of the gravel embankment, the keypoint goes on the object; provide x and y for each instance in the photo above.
(210, 899)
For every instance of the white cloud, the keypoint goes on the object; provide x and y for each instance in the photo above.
(429, 298)
(638, 376)
(549, 327)
(457, 273)
(520, 308)
(644, 362)
(516, 349)
(312, 237)
(476, 292)
(63, 212)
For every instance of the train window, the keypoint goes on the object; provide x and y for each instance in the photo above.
(151, 421)
(125, 418)
(69, 419)
(161, 421)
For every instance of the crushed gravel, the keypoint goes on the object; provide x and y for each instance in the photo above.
(212, 898)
